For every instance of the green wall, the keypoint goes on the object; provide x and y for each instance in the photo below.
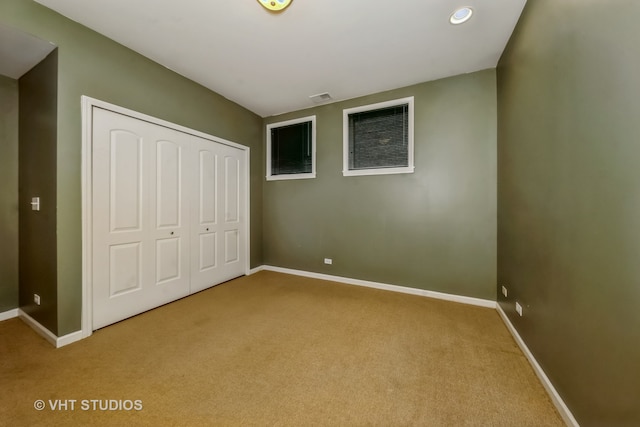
(569, 200)
(434, 229)
(92, 65)
(37, 178)
(8, 194)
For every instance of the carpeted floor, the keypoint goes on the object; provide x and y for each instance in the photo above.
(274, 349)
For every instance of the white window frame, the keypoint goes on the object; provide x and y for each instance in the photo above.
(307, 175)
(345, 138)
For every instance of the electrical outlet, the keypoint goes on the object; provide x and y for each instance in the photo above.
(36, 299)
(328, 261)
(519, 309)
(504, 291)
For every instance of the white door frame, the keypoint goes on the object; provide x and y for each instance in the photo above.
(88, 104)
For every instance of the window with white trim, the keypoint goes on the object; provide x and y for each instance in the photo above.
(291, 149)
(378, 138)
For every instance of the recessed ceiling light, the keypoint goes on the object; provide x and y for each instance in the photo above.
(461, 15)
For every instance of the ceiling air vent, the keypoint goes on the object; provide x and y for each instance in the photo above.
(320, 98)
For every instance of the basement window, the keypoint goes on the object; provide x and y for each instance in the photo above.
(291, 149)
(378, 138)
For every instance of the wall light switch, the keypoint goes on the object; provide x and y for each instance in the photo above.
(35, 203)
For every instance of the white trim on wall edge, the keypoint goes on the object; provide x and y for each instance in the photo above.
(9, 314)
(57, 342)
(255, 270)
(394, 288)
(562, 408)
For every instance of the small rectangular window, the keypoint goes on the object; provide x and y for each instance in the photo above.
(378, 138)
(291, 149)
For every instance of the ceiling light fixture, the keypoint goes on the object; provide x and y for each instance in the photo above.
(275, 5)
(461, 15)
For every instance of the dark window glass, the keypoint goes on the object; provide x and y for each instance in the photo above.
(379, 138)
(291, 149)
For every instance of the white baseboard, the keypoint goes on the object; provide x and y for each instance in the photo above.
(36, 326)
(402, 289)
(69, 338)
(9, 314)
(47, 334)
(255, 270)
(562, 408)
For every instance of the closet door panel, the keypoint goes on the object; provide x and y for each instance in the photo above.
(120, 234)
(205, 219)
(170, 184)
(232, 208)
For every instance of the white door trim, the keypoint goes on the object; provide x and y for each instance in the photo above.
(88, 104)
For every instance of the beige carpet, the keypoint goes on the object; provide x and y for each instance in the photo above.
(274, 349)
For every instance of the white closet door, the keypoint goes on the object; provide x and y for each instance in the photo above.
(217, 214)
(232, 212)
(140, 216)
(169, 215)
(169, 186)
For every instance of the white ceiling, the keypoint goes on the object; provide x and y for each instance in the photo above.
(271, 63)
(20, 51)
